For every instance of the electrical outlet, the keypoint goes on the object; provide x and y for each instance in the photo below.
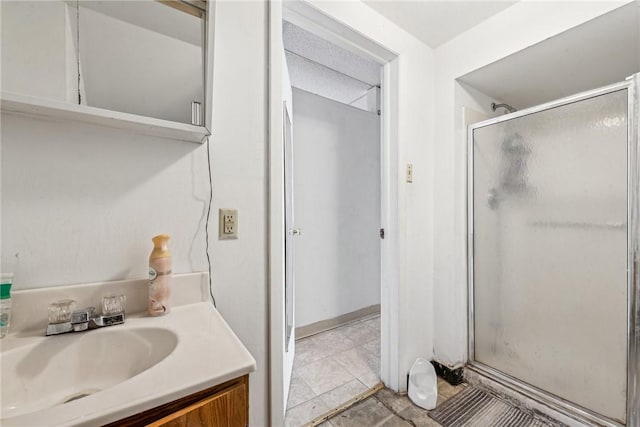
(228, 224)
(409, 172)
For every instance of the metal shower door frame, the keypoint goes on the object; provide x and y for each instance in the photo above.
(632, 85)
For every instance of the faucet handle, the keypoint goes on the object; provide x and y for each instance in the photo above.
(60, 311)
(113, 304)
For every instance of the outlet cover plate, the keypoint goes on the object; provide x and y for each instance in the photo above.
(228, 224)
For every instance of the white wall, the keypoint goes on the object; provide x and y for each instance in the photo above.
(80, 203)
(240, 176)
(35, 43)
(493, 39)
(337, 206)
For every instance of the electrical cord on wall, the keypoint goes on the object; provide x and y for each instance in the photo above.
(206, 224)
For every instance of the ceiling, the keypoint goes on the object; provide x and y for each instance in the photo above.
(436, 22)
(321, 51)
(323, 68)
(602, 51)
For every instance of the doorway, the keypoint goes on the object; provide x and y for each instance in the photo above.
(332, 212)
(291, 232)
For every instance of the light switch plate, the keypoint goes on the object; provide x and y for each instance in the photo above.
(409, 172)
(228, 219)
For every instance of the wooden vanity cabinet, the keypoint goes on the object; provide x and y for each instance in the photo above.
(224, 405)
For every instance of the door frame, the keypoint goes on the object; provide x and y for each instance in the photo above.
(309, 18)
(633, 258)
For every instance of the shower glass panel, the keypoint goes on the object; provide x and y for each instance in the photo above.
(549, 251)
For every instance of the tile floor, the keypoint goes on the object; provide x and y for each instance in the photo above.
(333, 367)
(387, 409)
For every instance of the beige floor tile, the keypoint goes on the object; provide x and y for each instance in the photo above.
(373, 347)
(365, 414)
(324, 375)
(332, 342)
(305, 412)
(370, 379)
(394, 421)
(303, 344)
(373, 322)
(447, 390)
(397, 402)
(373, 362)
(299, 392)
(418, 416)
(355, 360)
(360, 332)
(308, 350)
(340, 395)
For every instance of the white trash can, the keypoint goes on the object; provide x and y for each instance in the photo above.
(423, 385)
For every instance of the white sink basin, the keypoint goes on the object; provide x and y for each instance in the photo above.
(65, 368)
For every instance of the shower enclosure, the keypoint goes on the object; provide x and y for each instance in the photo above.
(554, 299)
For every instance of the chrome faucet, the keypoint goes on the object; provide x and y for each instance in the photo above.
(80, 319)
(63, 317)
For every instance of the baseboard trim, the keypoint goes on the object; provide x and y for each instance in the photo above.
(325, 325)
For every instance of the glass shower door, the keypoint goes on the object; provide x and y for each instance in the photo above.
(548, 254)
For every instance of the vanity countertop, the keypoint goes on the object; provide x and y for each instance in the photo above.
(206, 353)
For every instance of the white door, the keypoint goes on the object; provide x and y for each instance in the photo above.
(288, 352)
(290, 230)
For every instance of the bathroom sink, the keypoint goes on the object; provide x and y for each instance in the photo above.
(105, 375)
(65, 368)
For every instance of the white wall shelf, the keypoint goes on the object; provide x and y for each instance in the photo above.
(53, 109)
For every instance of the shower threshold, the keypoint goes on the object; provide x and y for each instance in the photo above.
(524, 395)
